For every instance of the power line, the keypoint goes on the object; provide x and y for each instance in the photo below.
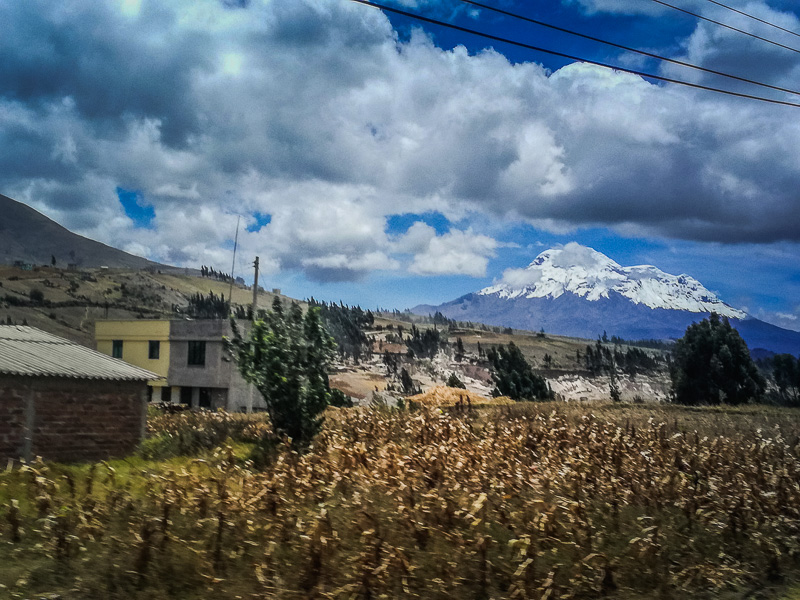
(741, 12)
(627, 48)
(569, 56)
(752, 35)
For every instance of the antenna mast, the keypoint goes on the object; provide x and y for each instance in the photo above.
(233, 262)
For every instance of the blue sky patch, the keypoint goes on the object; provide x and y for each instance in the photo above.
(399, 224)
(639, 31)
(261, 220)
(137, 211)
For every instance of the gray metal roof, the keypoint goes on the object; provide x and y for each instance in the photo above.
(33, 352)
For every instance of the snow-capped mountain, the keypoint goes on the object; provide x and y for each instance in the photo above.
(584, 272)
(576, 291)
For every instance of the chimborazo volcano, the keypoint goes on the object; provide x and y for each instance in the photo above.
(576, 291)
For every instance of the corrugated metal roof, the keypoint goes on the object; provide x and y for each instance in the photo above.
(30, 351)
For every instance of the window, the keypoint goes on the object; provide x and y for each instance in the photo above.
(116, 348)
(204, 400)
(154, 350)
(166, 394)
(186, 396)
(197, 354)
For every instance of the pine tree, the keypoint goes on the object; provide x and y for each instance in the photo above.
(286, 357)
(513, 375)
(407, 382)
(454, 382)
(712, 365)
(786, 371)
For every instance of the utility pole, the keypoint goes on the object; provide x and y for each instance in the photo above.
(255, 290)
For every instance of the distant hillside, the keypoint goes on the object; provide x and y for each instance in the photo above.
(70, 301)
(29, 236)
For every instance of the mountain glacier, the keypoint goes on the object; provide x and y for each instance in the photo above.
(589, 274)
(576, 291)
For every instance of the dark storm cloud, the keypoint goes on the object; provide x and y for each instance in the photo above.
(109, 65)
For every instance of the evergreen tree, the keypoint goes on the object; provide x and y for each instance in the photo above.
(454, 382)
(286, 357)
(346, 325)
(208, 307)
(440, 319)
(459, 350)
(424, 344)
(786, 371)
(712, 365)
(513, 375)
(407, 382)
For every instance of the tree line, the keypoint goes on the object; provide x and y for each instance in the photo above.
(600, 359)
(212, 273)
(346, 325)
(784, 372)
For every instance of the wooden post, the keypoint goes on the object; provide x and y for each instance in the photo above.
(255, 290)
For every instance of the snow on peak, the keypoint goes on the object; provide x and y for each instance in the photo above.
(592, 275)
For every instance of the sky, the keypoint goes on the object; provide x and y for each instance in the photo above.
(378, 160)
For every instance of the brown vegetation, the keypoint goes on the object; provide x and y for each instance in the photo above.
(447, 396)
(530, 501)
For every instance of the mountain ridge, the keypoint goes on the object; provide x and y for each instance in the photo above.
(583, 293)
(28, 236)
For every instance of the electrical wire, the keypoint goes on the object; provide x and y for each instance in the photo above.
(755, 18)
(627, 48)
(570, 56)
(752, 35)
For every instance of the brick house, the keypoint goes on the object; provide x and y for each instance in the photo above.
(65, 402)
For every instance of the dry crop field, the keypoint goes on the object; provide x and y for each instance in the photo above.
(527, 501)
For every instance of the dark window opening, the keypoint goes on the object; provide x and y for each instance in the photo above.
(186, 396)
(154, 350)
(205, 398)
(197, 353)
(166, 394)
(116, 348)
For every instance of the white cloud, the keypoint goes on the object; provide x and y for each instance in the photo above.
(787, 320)
(455, 252)
(314, 113)
(628, 7)
(520, 278)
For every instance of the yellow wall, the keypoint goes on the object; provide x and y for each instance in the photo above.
(136, 336)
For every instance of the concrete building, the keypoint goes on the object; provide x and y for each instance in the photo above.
(141, 343)
(65, 402)
(189, 354)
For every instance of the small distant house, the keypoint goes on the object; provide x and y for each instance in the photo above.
(188, 355)
(64, 402)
